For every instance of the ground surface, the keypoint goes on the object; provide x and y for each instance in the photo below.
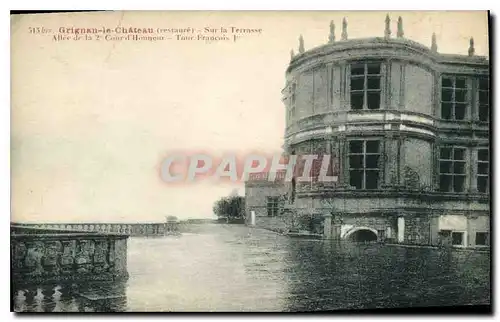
(237, 268)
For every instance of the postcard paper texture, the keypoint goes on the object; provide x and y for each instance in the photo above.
(272, 161)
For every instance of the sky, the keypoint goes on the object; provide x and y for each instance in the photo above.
(92, 120)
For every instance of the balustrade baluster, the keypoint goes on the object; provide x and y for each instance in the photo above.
(56, 298)
(38, 301)
(20, 301)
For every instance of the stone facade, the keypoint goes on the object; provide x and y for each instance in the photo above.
(408, 128)
(257, 198)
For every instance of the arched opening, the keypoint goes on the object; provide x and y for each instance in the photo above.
(362, 235)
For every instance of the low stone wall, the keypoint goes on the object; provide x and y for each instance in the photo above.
(271, 223)
(41, 256)
(132, 229)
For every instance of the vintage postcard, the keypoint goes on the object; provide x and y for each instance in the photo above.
(272, 161)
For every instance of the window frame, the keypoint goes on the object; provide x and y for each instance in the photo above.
(486, 239)
(462, 243)
(479, 103)
(452, 160)
(365, 91)
(364, 154)
(454, 102)
(272, 206)
(479, 176)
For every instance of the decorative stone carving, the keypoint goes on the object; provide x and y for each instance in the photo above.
(400, 33)
(45, 258)
(68, 256)
(331, 37)
(411, 178)
(52, 253)
(344, 29)
(434, 46)
(387, 31)
(83, 256)
(301, 44)
(100, 256)
(34, 258)
(471, 47)
(19, 254)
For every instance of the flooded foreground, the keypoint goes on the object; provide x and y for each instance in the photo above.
(237, 268)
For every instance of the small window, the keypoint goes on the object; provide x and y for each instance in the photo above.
(484, 99)
(481, 239)
(364, 164)
(483, 170)
(452, 172)
(272, 206)
(454, 98)
(457, 238)
(365, 86)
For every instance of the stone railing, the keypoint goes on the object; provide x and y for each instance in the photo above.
(131, 229)
(44, 255)
(57, 297)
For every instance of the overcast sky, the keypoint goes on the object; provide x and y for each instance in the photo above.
(91, 120)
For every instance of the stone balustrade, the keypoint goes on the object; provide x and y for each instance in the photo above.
(56, 297)
(43, 255)
(131, 229)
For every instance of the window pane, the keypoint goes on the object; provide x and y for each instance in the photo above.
(355, 146)
(446, 82)
(446, 111)
(460, 83)
(482, 239)
(445, 183)
(483, 113)
(356, 178)
(374, 100)
(445, 166)
(459, 154)
(456, 238)
(372, 161)
(484, 83)
(459, 111)
(484, 97)
(372, 146)
(373, 82)
(446, 153)
(356, 161)
(458, 183)
(372, 179)
(447, 95)
(482, 184)
(357, 69)
(458, 167)
(357, 83)
(357, 100)
(460, 95)
(482, 155)
(482, 168)
(373, 69)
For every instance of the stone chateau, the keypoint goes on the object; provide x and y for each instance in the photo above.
(408, 130)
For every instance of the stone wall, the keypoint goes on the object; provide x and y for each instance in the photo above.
(418, 92)
(132, 229)
(40, 257)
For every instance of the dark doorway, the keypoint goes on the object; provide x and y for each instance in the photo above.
(363, 235)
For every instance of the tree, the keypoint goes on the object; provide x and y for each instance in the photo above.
(232, 208)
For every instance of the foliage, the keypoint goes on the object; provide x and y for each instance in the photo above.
(232, 208)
